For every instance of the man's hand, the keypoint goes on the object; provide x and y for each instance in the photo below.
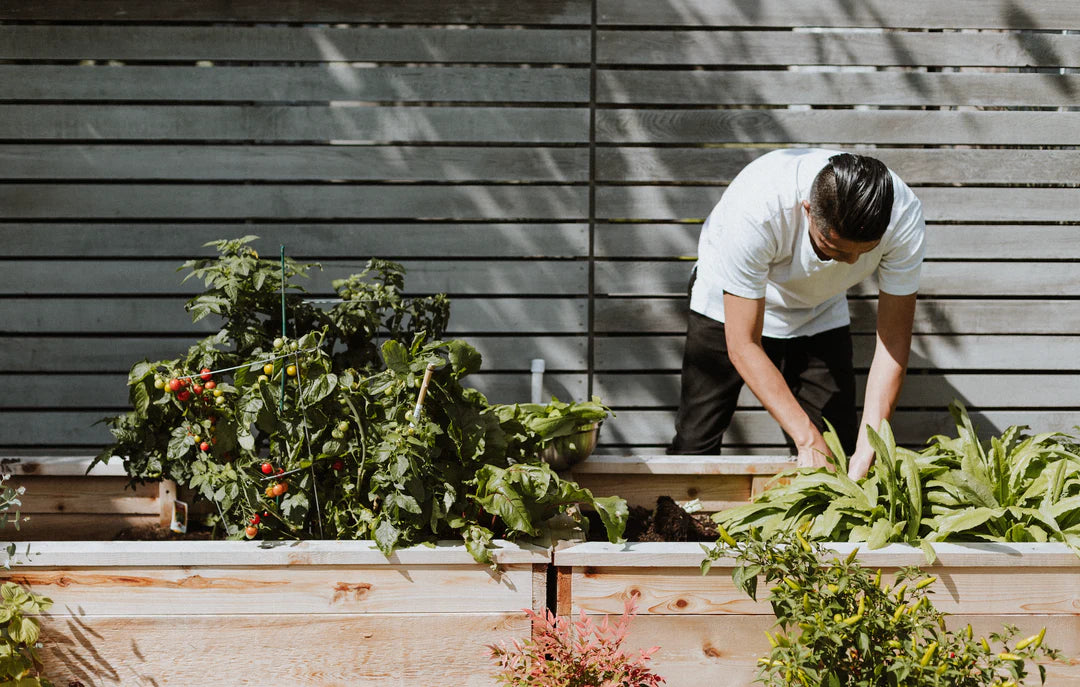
(814, 454)
(859, 463)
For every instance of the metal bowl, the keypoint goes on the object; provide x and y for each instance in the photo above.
(565, 451)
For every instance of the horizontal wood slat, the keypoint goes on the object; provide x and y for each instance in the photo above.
(914, 166)
(845, 48)
(351, 649)
(842, 88)
(111, 391)
(912, 427)
(158, 315)
(932, 316)
(923, 14)
(78, 495)
(302, 241)
(293, 163)
(294, 123)
(939, 204)
(332, 590)
(969, 279)
(293, 44)
(290, 84)
(931, 390)
(949, 241)
(326, 11)
(916, 127)
(336, 201)
(77, 527)
(152, 277)
(116, 354)
(931, 352)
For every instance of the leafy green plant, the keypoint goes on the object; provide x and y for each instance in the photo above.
(19, 633)
(1012, 488)
(842, 626)
(318, 435)
(565, 653)
(541, 423)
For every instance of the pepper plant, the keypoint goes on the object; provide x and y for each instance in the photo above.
(840, 625)
(317, 435)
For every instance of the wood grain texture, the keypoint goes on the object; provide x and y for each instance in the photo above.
(843, 48)
(282, 84)
(843, 88)
(78, 494)
(390, 650)
(82, 527)
(328, 11)
(303, 241)
(917, 127)
(923, 14)
(293, 163)
(287, 201)
(293, 44)
(341, 122)
(202, 590)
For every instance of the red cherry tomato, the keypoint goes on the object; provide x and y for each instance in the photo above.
(175, 384)
(255, 519)
(184, 396)
(338, 465)
(267, 468)
(204, 446)
(251, 531)
(197, 389)
(205, 373)
(211, 384)
(280, 488)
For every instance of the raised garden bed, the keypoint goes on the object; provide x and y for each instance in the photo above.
(710, 632)
(304, 613)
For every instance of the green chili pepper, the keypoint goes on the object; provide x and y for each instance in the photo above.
(724, 536)
(803, 543)
(926, 583)
(1006, 656)
(851, 556)
(898, 612)
(772, 642)
(795, 586)
(832, 587)
(967, 631)
(900, 592)
(877, 579)
(985, 646)
(806, 602)
(928, 655)
(1035, 639)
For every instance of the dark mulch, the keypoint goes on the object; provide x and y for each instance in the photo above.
(667, 522)
(156, 533)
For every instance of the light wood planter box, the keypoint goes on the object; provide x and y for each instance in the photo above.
(711, 633)
(718, 482)
(267, 613)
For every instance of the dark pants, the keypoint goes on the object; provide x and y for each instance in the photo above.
(818, 370)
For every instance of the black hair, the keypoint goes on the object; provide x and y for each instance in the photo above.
(852, 197)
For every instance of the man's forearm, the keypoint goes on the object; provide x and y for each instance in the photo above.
(883, 386)
(765, 380)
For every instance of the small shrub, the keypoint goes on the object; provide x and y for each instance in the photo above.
(563, 653)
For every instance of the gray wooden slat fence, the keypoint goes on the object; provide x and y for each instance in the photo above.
(547, 163)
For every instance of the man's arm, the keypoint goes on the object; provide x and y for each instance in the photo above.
(743, 321)
(896, 315)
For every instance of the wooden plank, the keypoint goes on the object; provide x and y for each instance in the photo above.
(656, 87)
(116, 354)
(928, 352)
(59, 465)
(77, 495)
(340, 122)
(992, 390)
(111, 391)
(293, 163)
(328, 11)
(339, 81)
(919, 127)
(162, 315)
(939, 204)
(945, 241)
(202, 590)
(80, 527)
(654, 428)
(705, 649)
(921, 14)
(682, 465)
(45, 555)
(302, 241)
(715, 492)
(968, 279)
(293, 44)
(915, 166)
(153, 277)
(287, 201)
(953, 558)
(845, 48)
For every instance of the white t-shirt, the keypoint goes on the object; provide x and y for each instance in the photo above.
(755, 244)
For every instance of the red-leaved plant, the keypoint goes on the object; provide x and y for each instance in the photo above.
(563, 653)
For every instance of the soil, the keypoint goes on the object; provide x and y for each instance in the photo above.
(157, 533)
(667, 522)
